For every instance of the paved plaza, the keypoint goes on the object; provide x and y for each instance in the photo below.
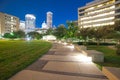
(62, 62)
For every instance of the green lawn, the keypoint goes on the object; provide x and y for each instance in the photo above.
(16, 55)
(111, 59)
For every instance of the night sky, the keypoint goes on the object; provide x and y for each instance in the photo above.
(63, 10)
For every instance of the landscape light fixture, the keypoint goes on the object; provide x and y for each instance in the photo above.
(84, 58)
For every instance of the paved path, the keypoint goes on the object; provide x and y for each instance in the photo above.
(62, 62)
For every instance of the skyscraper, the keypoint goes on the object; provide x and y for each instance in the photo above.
(30, 21)
(22, 25)
(49, 19)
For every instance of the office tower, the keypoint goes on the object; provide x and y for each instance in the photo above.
(99, 13)
(8, 23)
(30, 21)
(22, 25)
(49, 19)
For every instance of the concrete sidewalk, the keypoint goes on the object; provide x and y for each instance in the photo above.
(62, 62)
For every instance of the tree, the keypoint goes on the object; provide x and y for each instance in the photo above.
(117, 25)
(72, 30)
(98, 34)
(85, 33)
(35, 35)
(7, 35)
(101, 33)
(19, 34)
(106, 30)
(50, 31)
(116, 35)
(60, 32)
(10, 35)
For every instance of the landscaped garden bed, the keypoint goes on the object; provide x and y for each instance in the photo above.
(111, 59)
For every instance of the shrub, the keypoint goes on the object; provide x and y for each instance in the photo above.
(94, 43)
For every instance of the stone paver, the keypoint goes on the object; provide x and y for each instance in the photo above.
(60, 63)
(60, 58)
(62, 66)
(33, 75)
(66, 53)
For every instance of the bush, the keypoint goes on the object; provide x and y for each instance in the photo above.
(80, 43)
(94, 43)
(107, 44)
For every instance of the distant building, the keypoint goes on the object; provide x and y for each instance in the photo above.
(41, 31)
(49, 38)
(48, 23)
(22, 25)
(44, 25)
(8, 23)
(30, 21)
(49, 19)
(99, 13)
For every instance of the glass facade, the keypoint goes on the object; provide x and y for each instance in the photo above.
(30, 21)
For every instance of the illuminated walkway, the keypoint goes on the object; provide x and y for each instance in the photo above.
(62, 62)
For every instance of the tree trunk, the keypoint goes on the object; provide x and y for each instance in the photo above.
(104, 40)
(98, 42)
(84, 42)
(118, 48)
(118, 41)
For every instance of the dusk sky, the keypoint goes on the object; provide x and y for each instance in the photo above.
(63, 10)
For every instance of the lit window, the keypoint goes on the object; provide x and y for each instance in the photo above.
(112, 7)
(100, 5)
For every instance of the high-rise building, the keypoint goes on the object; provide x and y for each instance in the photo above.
(22, 25)
(8, 23)
(49, 19)
(30, 21)
(99, 13)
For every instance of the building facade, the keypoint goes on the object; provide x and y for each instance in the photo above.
(49, 19)
(8, 23)
(44, 25)
(99, 13)
(22, 25)
(30, 21)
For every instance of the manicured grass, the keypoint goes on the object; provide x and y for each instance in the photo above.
(111, 59)
(16, 55)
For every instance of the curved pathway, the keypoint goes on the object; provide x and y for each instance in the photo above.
(62, 62)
